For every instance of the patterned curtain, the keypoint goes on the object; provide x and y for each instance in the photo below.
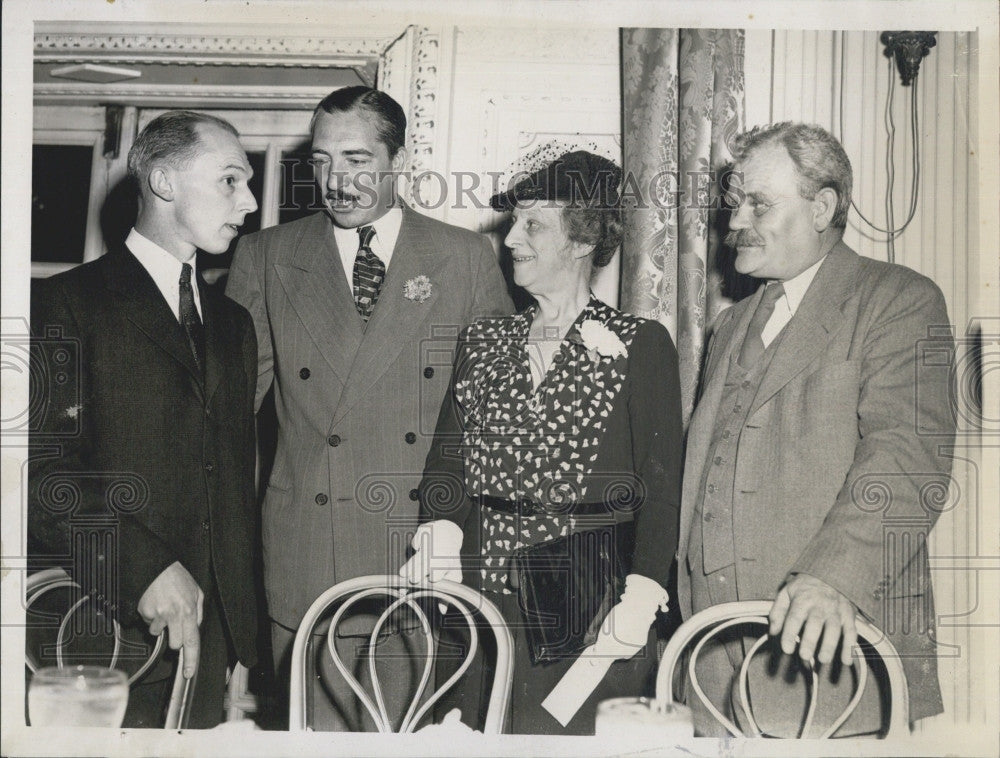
(683, 103)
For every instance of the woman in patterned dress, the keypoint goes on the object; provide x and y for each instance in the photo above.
(567, 416)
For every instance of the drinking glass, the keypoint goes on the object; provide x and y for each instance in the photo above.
(77, 696)
(643, 720)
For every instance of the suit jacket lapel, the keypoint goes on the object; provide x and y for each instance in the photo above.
(817, 318)
(819, 315)
(218, 339)
(317, 288)
(142, 303)
(396, 318)
(728, 336)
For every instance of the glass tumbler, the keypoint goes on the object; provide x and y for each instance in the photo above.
(77, 696)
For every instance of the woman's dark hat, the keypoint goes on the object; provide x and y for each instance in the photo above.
(578, 177)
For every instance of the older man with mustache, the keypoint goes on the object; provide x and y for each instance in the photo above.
(815, 392)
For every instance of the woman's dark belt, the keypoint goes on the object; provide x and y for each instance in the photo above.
(525, 507)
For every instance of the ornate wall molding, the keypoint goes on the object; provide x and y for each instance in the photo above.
(495, 105)
(207, 50)
(298, 51)
(169, 95)
(396, 65)
(422, 117)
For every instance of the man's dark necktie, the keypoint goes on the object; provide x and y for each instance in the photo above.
(369, 271)
(753, 345)
(189, 318)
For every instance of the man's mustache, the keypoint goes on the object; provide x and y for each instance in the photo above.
(743, 238)
(341, 197)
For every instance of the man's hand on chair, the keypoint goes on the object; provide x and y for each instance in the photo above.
(174, 601)
(811, 609)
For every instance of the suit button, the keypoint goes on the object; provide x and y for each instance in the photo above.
(737, 408)
(709, 516)
(745, 385)
(333, 440)
(428, 372)
(410, 438)
(322, 499)
(210, 467)
(205, 525)
(725, 435)
(711, 489)
(718, 460)
(414, 495)
(303, 373)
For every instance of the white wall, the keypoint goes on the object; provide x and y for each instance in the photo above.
(503, 91)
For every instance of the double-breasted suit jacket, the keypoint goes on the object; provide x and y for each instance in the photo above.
(129, 433)
(356, 404)
(841, 447)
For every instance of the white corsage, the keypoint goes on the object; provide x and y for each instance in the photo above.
(597, 338)
(418, 288)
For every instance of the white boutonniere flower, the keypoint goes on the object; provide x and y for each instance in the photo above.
(597, 338)
(418, 288)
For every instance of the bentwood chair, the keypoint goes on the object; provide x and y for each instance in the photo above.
(709, 623)
(420, 600)
(239, 701)
(47, 582)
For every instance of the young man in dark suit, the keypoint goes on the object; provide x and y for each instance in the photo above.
(154, 434)
(357, 313)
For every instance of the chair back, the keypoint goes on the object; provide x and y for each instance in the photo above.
(44, 582)
(399, 594)
(715, 619)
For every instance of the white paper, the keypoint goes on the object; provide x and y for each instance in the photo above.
(577, 685)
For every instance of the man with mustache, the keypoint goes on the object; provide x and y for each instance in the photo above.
(815, 396)
(149, 422)
(357, 312)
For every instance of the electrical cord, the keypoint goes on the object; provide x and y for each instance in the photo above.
(892, 232)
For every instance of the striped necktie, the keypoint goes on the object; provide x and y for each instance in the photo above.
(369, 271)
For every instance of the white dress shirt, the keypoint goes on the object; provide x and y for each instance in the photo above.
(786, 305)
(382, 244)
(165, 270)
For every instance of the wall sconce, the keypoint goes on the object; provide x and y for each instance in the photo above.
(909, 48)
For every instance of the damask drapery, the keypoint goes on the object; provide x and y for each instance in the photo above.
(683, 103)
